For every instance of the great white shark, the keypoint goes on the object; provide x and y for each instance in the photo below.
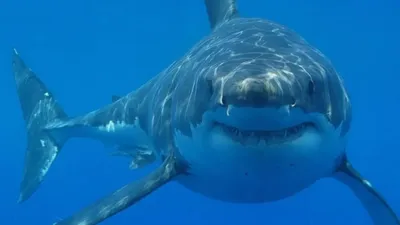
(252, 113)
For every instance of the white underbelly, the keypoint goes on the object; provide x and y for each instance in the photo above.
(229, 171)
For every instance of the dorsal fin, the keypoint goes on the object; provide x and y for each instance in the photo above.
(220, 11)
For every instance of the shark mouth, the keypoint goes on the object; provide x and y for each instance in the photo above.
(268, 136)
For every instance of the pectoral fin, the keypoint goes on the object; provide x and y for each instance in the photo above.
(126, 196)
(377, 207)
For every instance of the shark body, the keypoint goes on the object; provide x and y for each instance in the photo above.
(252, 109)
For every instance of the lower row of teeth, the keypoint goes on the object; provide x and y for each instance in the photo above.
(267, 136)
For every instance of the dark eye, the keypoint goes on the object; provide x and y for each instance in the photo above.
(311, 87)
(293, 101)
(210, 86)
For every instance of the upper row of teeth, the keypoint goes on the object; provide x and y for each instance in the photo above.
(265, 134)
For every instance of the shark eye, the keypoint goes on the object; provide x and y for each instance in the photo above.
(311, 87)
(293, 101)
(210, 86)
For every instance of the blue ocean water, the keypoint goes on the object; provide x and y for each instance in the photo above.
(86, 51)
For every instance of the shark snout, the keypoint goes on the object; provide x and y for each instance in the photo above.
(257, 92)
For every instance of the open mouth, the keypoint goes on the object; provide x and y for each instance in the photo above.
(268, 136)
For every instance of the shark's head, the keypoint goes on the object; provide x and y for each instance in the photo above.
(265, 116)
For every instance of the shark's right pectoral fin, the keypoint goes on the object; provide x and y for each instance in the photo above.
(126, 196)
(377, 207)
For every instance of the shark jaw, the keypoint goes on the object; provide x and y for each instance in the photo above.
(264, 137)
(254, 155)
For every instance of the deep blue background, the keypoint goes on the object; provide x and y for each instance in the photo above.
(87, 50)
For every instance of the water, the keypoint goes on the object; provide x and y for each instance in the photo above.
(86, 51)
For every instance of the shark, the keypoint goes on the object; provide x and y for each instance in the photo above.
(252, 113)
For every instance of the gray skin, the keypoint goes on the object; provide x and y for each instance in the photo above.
(243, 65)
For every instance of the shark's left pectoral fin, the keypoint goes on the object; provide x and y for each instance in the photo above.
(379, 210)
(126, 196)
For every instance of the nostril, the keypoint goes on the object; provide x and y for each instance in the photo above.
(211, 91)
(223, 100)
